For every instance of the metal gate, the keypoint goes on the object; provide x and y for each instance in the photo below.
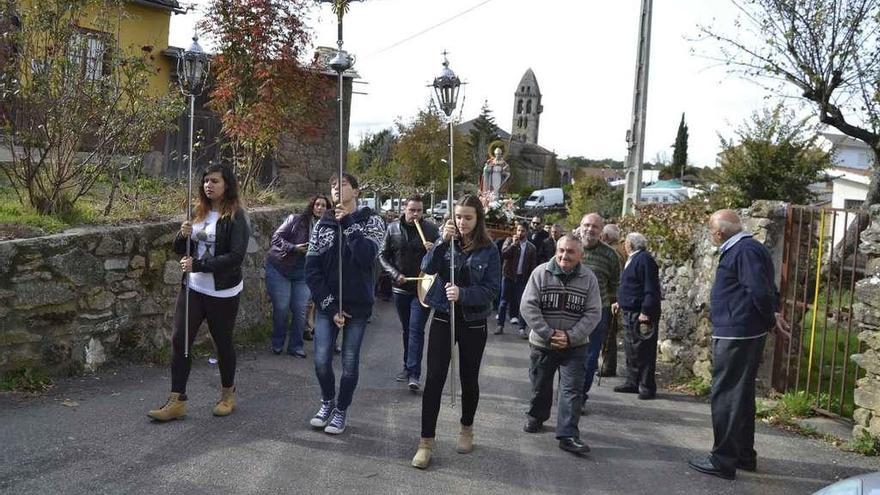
(820, 267)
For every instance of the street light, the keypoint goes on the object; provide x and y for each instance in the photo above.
(193, 66)
(446, 87)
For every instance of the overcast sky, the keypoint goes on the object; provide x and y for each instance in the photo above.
(583, 54)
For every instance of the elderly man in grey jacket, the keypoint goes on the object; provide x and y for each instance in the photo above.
(562, 306)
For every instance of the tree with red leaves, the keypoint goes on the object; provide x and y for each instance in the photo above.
(262, 88)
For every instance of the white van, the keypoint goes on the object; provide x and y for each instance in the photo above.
(546, 198)
(440, 209)
(394, 205)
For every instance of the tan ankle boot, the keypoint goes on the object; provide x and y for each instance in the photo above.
(465, 440)
(227, 402)
(423, 455)
(174, 408)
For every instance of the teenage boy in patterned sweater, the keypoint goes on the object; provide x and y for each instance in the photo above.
(362, 233)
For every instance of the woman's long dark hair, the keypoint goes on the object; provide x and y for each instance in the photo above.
(310, 209)
(479, 237)
(230, 202)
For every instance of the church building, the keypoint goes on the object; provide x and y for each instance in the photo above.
(528, 160)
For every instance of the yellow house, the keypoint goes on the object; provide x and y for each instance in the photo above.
(141, 25)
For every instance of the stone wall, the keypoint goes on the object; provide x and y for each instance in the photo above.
(304, 164)
(79, 298)
(867, 314)
(685, 331)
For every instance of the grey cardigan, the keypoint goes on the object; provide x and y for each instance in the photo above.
(549, 304)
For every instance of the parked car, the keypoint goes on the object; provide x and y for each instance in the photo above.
(864, 484)
(440, 209)
(546, 198)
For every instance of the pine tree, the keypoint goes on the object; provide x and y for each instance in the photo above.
(483, 132)
(680, 155)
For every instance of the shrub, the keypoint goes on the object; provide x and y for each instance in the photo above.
(864, 444)
(797, 404)
(670, 229)
(32, 380)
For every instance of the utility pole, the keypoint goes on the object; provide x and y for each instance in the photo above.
(635, 136)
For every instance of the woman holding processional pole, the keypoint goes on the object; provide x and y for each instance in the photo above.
(213, 246)
(477, 276)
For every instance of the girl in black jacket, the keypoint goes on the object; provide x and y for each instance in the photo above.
(218, 240)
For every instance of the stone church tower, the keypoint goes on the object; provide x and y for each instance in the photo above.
(527, 110)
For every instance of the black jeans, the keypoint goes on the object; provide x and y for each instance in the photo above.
(220, 313)
(471, 339)
(542, 368)
(733, 400)
(640, 346)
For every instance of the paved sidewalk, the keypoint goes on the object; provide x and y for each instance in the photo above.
(106, 444)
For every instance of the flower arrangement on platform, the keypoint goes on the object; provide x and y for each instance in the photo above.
(499, 211)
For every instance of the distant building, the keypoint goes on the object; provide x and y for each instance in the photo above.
(853, 162)
(648, 177)
(528, 160)
(666, 192)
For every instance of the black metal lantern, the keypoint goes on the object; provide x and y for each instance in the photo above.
(193, 66)
(446, 87)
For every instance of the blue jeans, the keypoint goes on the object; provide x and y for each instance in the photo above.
(288, 295)
(511, 294)
(597, 338)
(413, 317)
(325, 336)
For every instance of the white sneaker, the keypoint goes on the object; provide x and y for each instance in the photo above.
(337, 423)
(322, 417)
(514, 321)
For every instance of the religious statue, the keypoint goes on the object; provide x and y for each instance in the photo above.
(496, 173)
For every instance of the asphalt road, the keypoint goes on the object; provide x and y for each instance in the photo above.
(104, 443)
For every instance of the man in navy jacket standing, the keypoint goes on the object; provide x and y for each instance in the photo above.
(744, 307)
(639, 298)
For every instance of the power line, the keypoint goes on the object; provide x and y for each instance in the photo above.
(430, 28)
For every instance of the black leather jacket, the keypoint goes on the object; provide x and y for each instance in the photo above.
(233, 235)
(402, 252)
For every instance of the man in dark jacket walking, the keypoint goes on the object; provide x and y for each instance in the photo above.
(744, 305)
(639, 298)
(518, 259)
(401, 257)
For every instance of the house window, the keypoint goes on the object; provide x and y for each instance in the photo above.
(519, 106)
(852, 204)
(89, 55)
(529, 107)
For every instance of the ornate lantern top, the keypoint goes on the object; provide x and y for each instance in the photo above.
(446, 87)
(193, 65)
